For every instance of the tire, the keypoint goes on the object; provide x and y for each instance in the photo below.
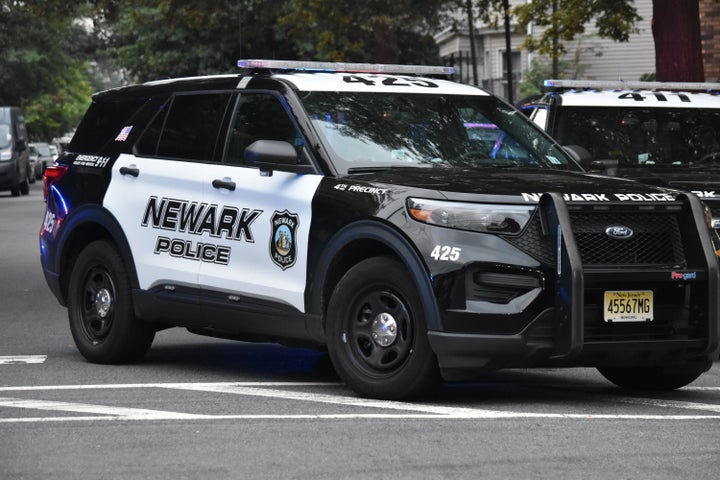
(377, 332)
(24, 187)
(15, 189)
(654, 378)
(100, 308)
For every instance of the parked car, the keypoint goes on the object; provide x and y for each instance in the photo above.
(15, 172)
(54, 151)
(412, 226)
(44, 155)
(35, 166)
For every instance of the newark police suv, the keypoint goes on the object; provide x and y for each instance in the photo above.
(414, 227)
(662, 133)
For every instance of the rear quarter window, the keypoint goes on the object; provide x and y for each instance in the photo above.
(102, 122)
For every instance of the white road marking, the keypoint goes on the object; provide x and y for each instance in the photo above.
(657, 402)
(119, 412)
(278, 390)
(19, 359)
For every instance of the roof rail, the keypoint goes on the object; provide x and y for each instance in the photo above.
(633, 85)
(345, 67)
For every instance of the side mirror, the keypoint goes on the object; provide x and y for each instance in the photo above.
(606, 167)
(584, 158)
(579, 154)
(269, 155)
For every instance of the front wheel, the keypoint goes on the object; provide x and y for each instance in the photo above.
(102, 319)
(377, 332)
(654, 377)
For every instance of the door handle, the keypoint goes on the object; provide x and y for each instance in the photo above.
(132, 170)
(226, 184)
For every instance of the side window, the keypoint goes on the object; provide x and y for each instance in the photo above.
(259, 116)
(148, 143)
(191, 126)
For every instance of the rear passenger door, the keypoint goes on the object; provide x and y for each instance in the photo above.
(157, 193)
(264, 220)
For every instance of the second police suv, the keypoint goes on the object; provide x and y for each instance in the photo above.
(416, 228)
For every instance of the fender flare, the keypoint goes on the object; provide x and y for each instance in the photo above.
(94, 215)
(400, 246)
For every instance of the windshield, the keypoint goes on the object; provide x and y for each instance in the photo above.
(5, 135)
(383, 130)
(647, 137)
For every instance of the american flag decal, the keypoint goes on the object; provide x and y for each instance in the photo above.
(122, 136)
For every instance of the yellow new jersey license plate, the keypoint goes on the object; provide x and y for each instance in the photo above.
(628, 306)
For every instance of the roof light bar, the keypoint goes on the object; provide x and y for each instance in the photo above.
(347, 67)
(622, 85)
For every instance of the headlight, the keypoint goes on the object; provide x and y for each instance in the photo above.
(477, 217)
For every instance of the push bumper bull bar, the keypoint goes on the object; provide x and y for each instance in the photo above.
(471, 351)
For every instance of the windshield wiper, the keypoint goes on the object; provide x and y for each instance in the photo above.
(382, 168)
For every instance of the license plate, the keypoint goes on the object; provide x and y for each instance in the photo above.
(628, 306)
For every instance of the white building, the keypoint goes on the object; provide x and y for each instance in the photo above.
(589, 56)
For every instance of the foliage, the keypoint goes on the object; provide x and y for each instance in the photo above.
(154, 39)
(370, 31)
(562, 21)
(40, 64)
(56, 112)
(614, 19)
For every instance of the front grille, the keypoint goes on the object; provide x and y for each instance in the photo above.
(656, 239)
(534, 242)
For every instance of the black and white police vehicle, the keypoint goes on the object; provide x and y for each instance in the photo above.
(661, 133)
(417, 228)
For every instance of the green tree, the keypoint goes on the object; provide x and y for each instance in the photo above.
(154, 39)
(383, 31)
(55, 112)
(564, 20)
(41, 62)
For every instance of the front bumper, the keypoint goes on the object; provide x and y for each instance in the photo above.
(572, 331)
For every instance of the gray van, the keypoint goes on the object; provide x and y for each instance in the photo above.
(15, 169)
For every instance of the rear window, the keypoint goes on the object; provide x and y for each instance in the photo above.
(102, 122)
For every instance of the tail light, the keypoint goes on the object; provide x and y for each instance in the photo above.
(52, 175)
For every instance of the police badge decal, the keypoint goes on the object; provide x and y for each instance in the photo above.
(282, 239)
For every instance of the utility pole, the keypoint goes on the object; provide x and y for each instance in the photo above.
(508, 56)
(555, 72)
(471, 28)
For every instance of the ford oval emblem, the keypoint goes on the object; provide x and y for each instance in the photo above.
(618, 231)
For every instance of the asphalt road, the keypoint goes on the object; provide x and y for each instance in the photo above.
(205, 408)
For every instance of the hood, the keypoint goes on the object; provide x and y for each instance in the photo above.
(703, 182)
(514, 184)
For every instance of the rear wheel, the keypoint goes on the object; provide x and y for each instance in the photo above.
(377, 332)
(102, 319)
(654, 378)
